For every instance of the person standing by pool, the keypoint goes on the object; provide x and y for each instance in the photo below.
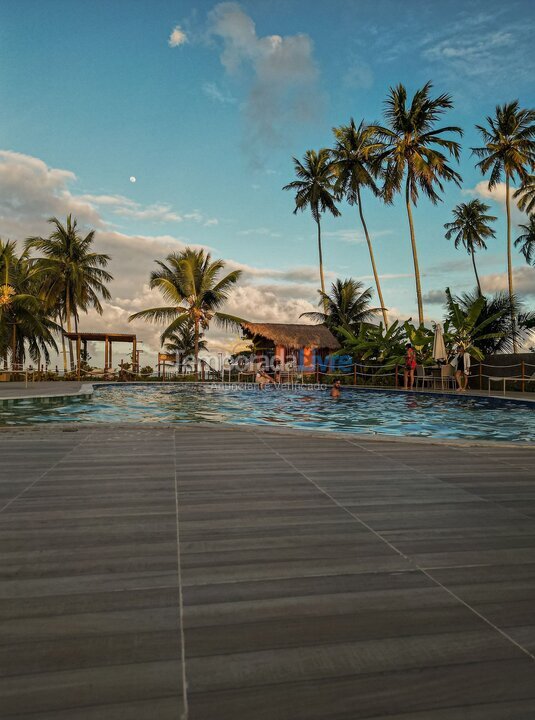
(336, 389)
(410, 367)
(461, 365)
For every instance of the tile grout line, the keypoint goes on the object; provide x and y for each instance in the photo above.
(427, 474)
(45, 473)
(406, 557)
(185, 713)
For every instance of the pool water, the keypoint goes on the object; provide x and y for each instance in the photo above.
(356, 411)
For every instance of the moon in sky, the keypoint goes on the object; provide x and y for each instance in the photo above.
(132, 179)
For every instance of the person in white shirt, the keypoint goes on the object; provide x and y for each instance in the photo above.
(461, 365)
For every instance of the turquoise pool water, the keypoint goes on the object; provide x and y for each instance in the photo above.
(356, 411)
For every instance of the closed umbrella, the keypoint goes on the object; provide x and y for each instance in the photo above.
(439, 348)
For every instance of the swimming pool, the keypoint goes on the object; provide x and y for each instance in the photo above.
(373, 412)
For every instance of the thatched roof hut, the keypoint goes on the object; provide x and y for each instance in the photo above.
(292, 336)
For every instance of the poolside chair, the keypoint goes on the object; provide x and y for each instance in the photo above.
(420, 376)
(447, 377)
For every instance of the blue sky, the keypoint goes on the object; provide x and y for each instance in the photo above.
(97, 94)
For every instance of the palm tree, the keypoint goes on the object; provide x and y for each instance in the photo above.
(471, 325)
(182, 342)
(508, 151)
(527, 241)
(347, 306)
(414, 154)
(496, 309)
(314, 189)
(190, 282)
(73, 275)
(471, 227)
(24, 323)
(526, 195)
(355, 164)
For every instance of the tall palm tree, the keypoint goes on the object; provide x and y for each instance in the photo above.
(414, 154)
(314, 189)
(526, 241)
(24, 323)
(526, 195)
(347, 306)
(356, 167)
(470, 228)
(73, 275)
(182, 342)
(190, 282)
(508, 152)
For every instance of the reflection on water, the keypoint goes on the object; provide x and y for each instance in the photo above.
(371, 412)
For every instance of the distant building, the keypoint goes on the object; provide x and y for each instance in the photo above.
(301, 344)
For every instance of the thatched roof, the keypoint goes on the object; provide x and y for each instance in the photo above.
(293, 336)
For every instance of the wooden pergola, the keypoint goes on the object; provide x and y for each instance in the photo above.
(108, 339)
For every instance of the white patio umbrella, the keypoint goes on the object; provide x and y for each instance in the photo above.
(439, 348)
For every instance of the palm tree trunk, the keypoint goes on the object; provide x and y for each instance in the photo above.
(322, 277)
(414, 256)
(63, 348)
(372, 258)
(71, 354)
(14, 347)
(475, 271)
(510, 262)
(196, 348)
(69, 327)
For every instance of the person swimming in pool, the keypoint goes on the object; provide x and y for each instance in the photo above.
(262, 378)
(336, 389)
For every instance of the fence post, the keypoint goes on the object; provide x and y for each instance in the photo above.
(523, 375)
(354, 373)
(480, 375)
(317, 373)
(203, 371)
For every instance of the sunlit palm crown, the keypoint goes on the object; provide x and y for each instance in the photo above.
(509, 144)
(190, 283)
(416, 148)
(314, 187)
(347, 306)
(23, 319)
(526, 195)
(526, 241)
(471, 225)
(355, 159)
(73, 275)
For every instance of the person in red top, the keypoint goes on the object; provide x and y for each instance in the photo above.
(410, 367)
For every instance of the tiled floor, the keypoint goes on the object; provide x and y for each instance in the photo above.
(224, 574)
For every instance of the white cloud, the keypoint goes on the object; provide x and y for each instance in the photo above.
(354, 236)
(261, 231)
(283, 91)
(497, 195)
(481, 48)
(161, 213)
(30, 192)
(523, 281)
(211, 90)
(177, 37)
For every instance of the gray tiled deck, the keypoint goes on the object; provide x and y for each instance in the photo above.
(311, 577)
